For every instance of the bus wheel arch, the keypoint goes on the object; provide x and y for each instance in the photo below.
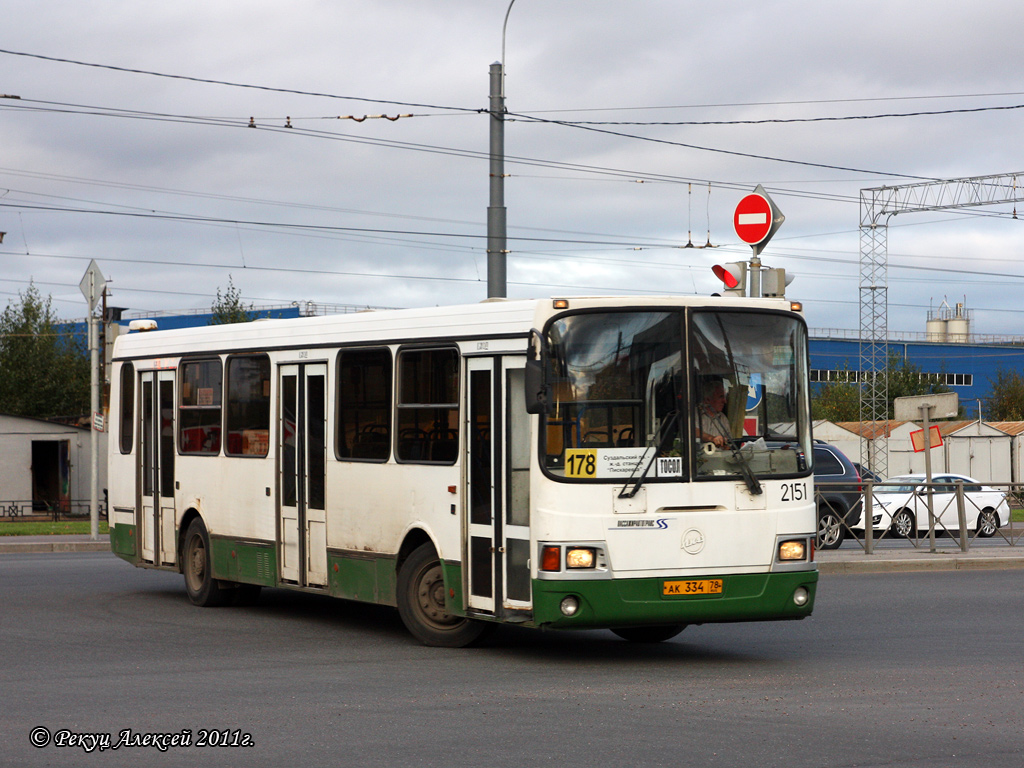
(413, 540)
(186, 520)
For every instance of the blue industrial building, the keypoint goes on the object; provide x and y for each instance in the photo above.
(967, 367)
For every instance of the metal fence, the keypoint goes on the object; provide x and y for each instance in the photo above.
(918, 513)
(27, 510)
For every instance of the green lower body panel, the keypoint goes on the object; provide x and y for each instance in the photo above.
(453, 584)
(244, 562)
(358, 576)
(637, 602)
(123, 542)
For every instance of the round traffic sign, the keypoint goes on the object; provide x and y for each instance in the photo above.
(753, 219)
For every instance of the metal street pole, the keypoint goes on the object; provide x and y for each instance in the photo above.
(496, 231)
(755, 274)
(92, 286)
(497, 251)
(94, 407)
(926, 411)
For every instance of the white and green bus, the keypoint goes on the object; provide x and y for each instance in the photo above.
(536, 462)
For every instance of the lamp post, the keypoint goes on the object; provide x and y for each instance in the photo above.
(496, 220)
(92, 287)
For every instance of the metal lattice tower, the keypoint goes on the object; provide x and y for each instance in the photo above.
(877, 206)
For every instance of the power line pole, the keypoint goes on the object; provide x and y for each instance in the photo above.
(877, 206)
(497, 252)
(496, 231)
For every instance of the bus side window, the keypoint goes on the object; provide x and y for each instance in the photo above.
(428, 406)
(127, 413)
(364, 405)
(199, 409)
(248, 406)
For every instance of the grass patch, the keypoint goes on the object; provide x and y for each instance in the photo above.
(1017, 515)
(46, 528)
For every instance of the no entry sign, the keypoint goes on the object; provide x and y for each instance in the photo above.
(756, 218)
(753, 219)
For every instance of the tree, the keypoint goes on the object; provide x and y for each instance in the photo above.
(229, 308)
(838, 400)
(44, 365)
(1005, 401)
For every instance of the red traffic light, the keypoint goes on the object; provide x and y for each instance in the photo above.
(727, 273)
(732, 274)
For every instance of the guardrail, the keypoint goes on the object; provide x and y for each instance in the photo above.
(25, 510)
(918, 512)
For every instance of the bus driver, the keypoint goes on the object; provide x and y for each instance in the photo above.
(714, 425)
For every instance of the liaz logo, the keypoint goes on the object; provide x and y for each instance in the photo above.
(693, 541)
(661, 523)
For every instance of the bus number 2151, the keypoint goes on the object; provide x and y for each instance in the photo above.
(794, 491)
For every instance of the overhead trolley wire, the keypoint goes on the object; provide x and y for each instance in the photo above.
(210, 81)
(769, 120)
(735, 153)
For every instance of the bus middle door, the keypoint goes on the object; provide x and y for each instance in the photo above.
(302, 448)
(497, 497)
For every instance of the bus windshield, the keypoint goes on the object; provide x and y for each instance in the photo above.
(626, 400)
(750, 393)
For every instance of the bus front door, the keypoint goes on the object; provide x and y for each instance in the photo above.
(302, 448)
(156, 467)
(497, 507)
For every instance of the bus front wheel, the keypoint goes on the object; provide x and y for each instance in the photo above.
(423, 608)
(202, 588)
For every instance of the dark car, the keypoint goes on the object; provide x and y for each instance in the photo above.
(837, 493)
(866, 474)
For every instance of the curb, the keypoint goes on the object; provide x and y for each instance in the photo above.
(35, 547)
(934, 562)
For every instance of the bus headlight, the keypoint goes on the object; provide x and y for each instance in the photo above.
(569, 605)
(795, 549)
(580, 557)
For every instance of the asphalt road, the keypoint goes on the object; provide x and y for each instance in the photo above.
(898, 669)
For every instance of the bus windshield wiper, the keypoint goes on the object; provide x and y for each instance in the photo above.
(654, 440)
(753, 484)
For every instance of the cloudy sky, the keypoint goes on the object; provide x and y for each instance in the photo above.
(634, 128)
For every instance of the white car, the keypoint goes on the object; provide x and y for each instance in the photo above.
(901, 503)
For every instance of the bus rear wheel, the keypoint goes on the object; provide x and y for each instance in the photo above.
(649, 634)
(422, 604)
(200, 585)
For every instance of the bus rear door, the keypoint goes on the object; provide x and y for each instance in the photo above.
(156, 467)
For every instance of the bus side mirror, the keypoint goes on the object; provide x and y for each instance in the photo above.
(535, 391)
(535, 388)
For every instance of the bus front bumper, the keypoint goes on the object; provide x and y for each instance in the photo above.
(671, 601)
